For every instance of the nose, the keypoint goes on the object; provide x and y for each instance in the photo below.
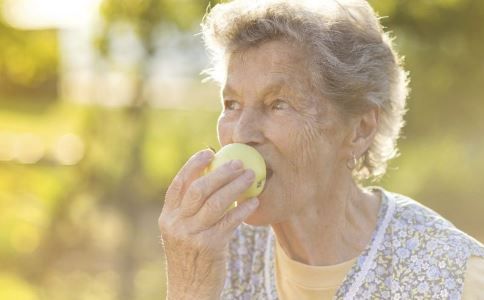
(249, 128)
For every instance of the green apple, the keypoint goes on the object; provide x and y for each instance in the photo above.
(251, 159)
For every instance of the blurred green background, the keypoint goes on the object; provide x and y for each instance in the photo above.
(101, 102)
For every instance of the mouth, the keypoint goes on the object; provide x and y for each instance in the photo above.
(269, 173)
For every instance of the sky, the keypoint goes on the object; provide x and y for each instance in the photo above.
(42, 14)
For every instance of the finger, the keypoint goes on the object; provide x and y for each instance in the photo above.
(188, 173)
(204, 186)
(236, 216)
(215, 206)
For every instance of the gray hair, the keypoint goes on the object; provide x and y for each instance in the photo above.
(354, 63)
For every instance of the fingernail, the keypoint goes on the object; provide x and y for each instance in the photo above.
(253, 202)
(206, 154)
(236, 164)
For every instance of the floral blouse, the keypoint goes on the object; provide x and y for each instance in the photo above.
(414, 253)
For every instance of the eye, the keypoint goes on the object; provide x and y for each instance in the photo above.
(231, 105)
(279, 105)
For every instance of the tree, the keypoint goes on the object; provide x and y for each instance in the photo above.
(146, 19)
(29, 61)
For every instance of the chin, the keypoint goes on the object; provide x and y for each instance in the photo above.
(261, 216)
(255, 221)
(264, 214)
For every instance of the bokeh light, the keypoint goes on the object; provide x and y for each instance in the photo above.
(28, 148)
(7, 150)
(68, 149)
(12, 287)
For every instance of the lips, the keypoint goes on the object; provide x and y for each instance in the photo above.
(269, 173)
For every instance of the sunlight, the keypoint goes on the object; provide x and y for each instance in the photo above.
(41, 14)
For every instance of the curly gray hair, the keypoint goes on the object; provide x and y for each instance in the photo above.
(355, 65)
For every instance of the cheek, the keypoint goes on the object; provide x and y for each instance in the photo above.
(224, 130)
(320, 137)
(307, 143)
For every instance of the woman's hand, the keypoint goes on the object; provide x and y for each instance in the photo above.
(195, 229)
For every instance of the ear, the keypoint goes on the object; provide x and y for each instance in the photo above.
(362, 131)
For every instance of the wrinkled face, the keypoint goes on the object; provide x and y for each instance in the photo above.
(268, 103)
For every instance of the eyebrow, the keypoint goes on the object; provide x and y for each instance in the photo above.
(228, 90)
(274, 86)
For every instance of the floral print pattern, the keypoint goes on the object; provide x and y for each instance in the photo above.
(414, 253)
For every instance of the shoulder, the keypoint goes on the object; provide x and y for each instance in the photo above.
(474, 278)
(416, 222)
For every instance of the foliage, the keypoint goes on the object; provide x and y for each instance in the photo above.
(28, 63)
(147, 18)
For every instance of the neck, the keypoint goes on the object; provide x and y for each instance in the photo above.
(335, 228)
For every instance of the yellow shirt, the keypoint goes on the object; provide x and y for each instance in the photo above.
(295, 280)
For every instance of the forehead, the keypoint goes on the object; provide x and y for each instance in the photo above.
(274, 63)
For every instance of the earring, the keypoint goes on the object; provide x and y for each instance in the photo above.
(351, 163)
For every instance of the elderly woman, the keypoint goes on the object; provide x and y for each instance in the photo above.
(317, 88)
